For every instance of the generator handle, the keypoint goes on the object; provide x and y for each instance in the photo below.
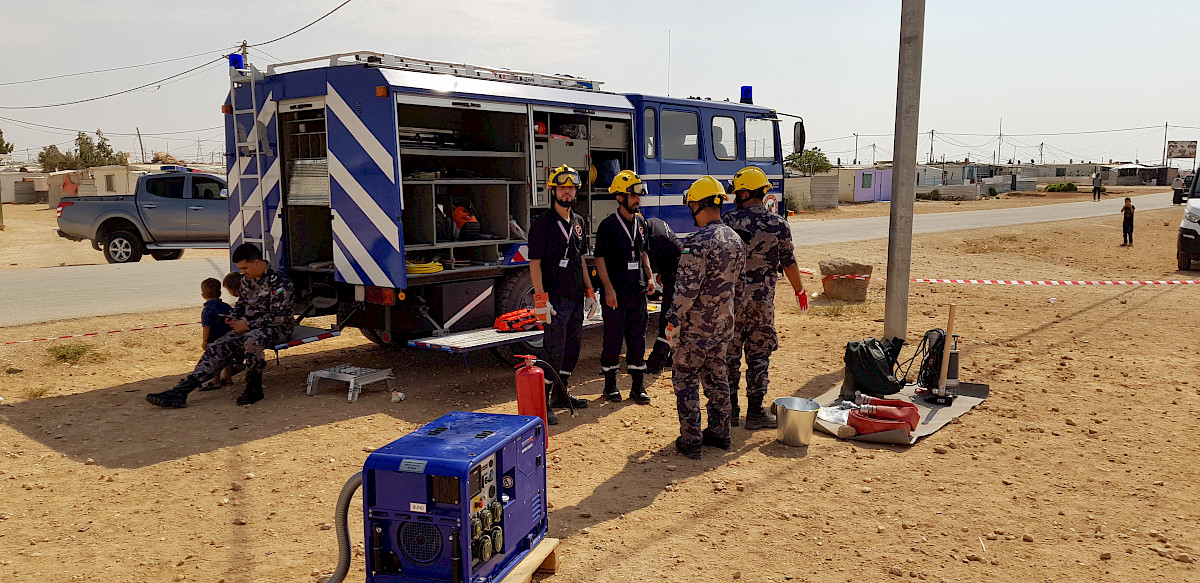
(342, 527)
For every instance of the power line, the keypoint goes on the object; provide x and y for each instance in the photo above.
(78, 101)
(198, 130)
(339, 6)
(165, 79)
(112, 69)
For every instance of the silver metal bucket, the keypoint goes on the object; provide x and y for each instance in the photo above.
(796, 418)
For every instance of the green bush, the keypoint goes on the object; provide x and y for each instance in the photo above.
(69, 353)
(1070, 187)
(1052, 188)
(931, 195)
(992, 191)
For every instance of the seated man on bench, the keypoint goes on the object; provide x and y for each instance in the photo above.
(262, 318)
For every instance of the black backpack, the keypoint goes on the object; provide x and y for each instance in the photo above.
(930, 372)
(872, 364)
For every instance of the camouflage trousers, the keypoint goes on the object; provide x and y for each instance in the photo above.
(693, 366)
(234, 346)
(753, 334)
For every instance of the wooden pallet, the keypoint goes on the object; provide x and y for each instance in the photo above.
(542, 559)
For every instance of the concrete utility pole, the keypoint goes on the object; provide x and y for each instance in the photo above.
(140, 145)
(855, 157)
(904, 168)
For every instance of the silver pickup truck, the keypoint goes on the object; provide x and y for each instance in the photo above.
(167, 213)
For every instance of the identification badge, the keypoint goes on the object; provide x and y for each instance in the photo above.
(563, 263)
(632, 266)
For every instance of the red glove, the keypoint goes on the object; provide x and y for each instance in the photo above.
(802, 299)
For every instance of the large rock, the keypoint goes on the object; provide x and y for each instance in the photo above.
(846, 289)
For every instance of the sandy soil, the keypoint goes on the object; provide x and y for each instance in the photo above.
(1004, 201)
(28, 240)
(1080, 467)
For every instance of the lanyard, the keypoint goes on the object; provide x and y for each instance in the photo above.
(567, 235)
(632, 237)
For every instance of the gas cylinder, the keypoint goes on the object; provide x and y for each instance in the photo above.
(531, 391)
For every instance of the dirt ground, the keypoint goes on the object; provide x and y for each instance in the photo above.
(28, 240)
(1079, 467)
(1004, 201)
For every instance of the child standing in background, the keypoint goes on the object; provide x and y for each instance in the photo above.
(1127, 225)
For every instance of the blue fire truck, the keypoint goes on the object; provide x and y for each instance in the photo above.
(397, 192)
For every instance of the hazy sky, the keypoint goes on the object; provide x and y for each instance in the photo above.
(1044, 67)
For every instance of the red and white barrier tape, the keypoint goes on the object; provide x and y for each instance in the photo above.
(1039, 282)
(98, 333)
(1018, 281)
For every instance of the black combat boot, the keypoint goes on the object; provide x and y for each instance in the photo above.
(610, 386)
(659, 358)
(253, 392)
(757, 417)
(691, 451)
(176, 397)
(711, 440)
(638, 391)
(562, 397)
(551, 418)
(735, 412)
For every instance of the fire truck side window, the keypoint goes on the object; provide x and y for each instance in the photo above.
(651, 132)
(724, 138)
(681, 135)
(760, 139)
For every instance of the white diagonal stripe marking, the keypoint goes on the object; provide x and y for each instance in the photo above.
(360, 254)
(361, 134)
(340, 259)
(369, 207)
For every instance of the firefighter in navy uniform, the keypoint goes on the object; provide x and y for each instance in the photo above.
(624, 268)
(561, 285)
(700, 323)
(768, 251)
(664, 250)
(261, 319)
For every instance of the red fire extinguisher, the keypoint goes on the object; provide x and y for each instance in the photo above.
(531, 391)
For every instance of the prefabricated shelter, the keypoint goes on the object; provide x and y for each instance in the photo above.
(873, 184)
(1139, 175)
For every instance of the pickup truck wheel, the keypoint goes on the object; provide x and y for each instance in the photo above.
(122, 247)
(168, 255)
(1185, 261)
(516, 293)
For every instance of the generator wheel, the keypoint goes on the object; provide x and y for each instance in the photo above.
(516, 293)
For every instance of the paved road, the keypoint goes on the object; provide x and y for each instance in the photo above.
(41, 295)
(28, 296)
(816, 232)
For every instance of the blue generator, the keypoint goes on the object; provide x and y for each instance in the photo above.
(461, 500)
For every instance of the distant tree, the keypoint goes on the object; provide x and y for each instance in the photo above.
(809, 162)
(52, 159)
(87, 153)
(5, 147)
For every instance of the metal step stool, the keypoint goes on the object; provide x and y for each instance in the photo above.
(357, 376)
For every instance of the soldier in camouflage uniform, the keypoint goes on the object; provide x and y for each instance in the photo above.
(262, 318)
(701, 319)
(768, 251)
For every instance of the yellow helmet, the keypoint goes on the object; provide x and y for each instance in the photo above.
(626, 182)
(562, 175)
(751, 178)
(706, 191)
